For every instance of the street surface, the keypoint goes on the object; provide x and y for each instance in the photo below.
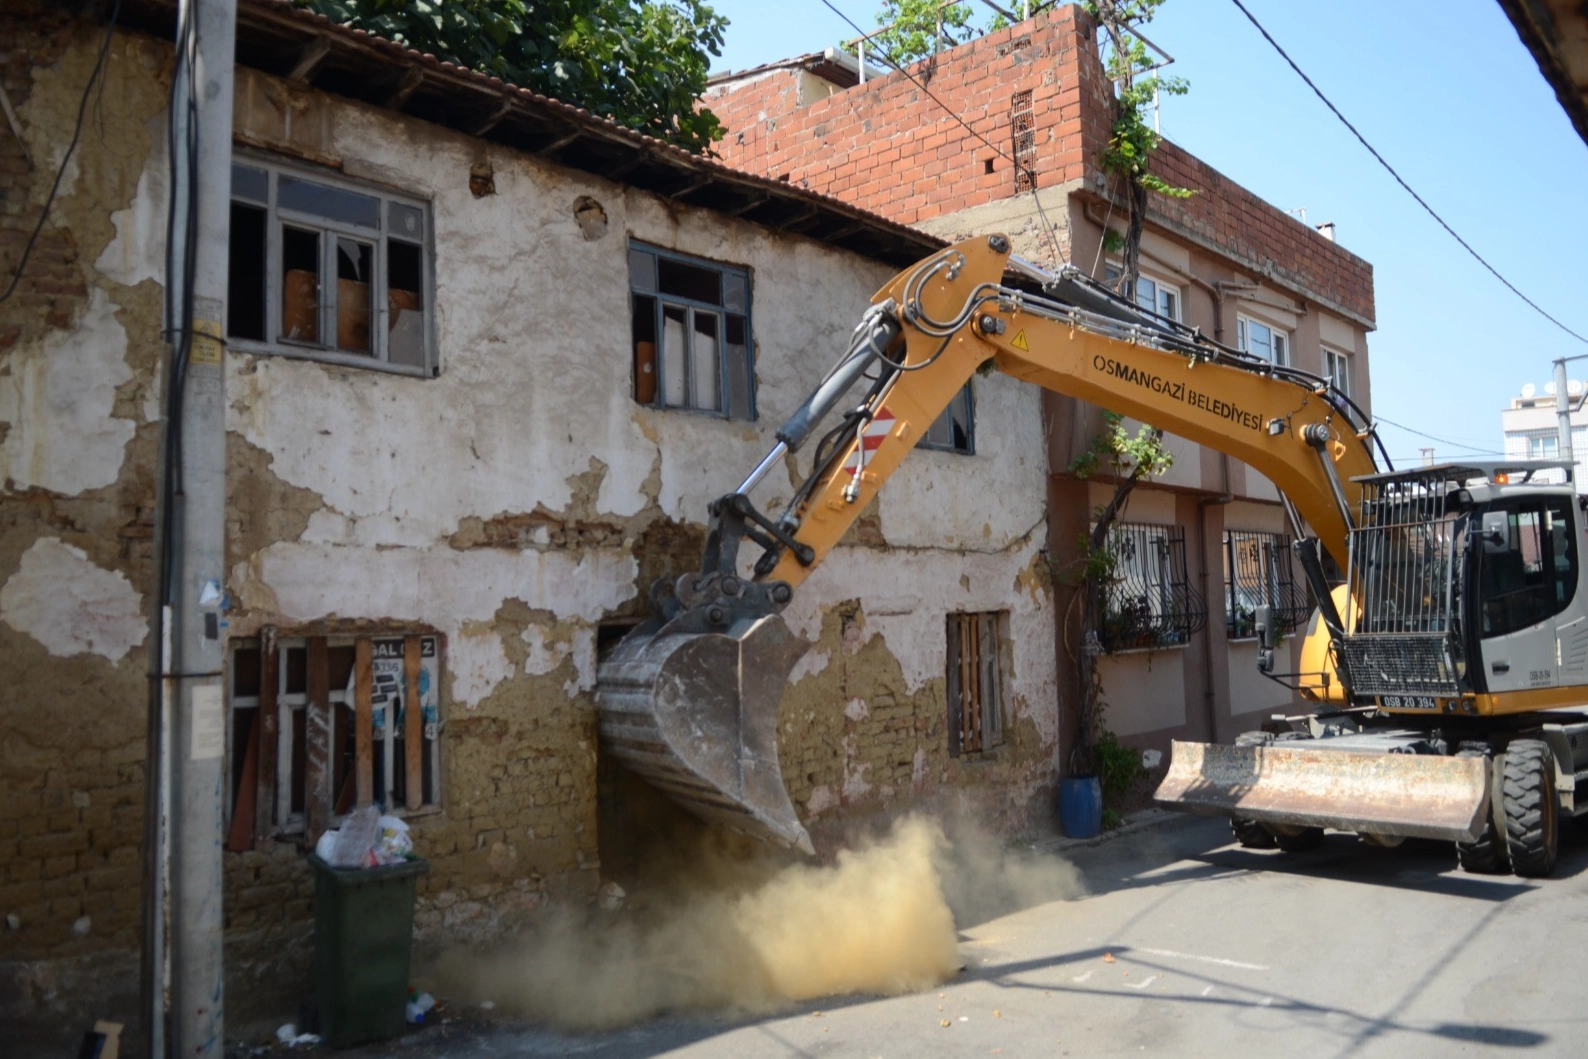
(1189, 946)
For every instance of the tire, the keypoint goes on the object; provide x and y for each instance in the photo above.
(1301, 840)
(1297, 839)
(1487, 854)
(1532, 832)
(1249, 833)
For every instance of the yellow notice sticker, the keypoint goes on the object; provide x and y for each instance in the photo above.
(1020, 343)
(207, 344)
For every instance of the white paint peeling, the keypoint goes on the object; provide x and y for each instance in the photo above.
(137, 251)
(855, 786)
(810, 663)
(58, 399)
(306, 582)
(583, 650)
(544, 655)
(822, 799)
(478, 663)
(71, 605)
(856, 710)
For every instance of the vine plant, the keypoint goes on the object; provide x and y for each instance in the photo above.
(1132, 140)
(1129, 458)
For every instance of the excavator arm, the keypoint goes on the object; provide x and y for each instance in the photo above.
(690, 699)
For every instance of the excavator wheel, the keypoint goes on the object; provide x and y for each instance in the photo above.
(1532, 832)
(1249, 833)
(1487, 855)
(1296, 839)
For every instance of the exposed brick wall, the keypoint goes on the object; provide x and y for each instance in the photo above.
(35, 34)
(886, 146)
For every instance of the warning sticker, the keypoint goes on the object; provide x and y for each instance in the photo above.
(871, 439)
(1020, 343)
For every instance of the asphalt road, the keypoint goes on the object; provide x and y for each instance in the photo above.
(1189, 946)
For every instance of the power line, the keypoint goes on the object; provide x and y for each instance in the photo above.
(1030, 173)
(1443, 441)
(1391, 169)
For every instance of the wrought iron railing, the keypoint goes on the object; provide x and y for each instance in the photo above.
(1147, 601)
(1260, 570)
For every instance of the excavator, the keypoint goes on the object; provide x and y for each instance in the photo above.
(1444, 671)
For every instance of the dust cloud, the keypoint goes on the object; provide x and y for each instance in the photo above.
(754, 936)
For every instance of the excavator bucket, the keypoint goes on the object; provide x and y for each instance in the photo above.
(1290, 785)
(694, 711)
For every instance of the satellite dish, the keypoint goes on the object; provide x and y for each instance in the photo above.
(1574, 387)
(1549, 388)
(1528, 390)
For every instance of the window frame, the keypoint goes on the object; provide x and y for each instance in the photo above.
(279, 818)
(1114, 269)
(1243, 326)
(987, 633)
(1337, 369)
(721, 310)
(277, 217)
(968, 395)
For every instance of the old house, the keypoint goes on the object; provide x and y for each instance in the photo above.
(1005, 134)
(488, 358)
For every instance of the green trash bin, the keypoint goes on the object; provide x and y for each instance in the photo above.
(363, 942)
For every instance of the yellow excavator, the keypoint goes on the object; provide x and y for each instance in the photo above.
(1440, 668)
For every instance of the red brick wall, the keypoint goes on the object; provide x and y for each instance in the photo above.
(886, 146)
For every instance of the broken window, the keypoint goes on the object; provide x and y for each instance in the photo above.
(1147, 601)
(976, 645)
(326, 269)
(1259, 570)
(322, 724)
(955, 429)
(691, 333)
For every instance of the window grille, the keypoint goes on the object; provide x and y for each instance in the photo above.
(1148, 602)
(1260, 570)
(975, 682)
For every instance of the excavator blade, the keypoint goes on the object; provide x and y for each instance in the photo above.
(695, 713)
(1290, 785)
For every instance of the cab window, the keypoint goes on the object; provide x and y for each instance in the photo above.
(1528, 567)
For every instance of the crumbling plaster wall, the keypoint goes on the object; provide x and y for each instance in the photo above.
(79, 345)
(512, 502)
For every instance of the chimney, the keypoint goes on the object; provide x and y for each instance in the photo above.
(1326, 229)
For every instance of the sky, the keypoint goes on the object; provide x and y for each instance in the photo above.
(1447, 93)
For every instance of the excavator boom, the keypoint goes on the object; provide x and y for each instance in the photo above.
(690, 700)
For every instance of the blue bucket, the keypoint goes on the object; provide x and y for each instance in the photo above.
(1081, 806)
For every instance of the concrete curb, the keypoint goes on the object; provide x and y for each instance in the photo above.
(1135, 823)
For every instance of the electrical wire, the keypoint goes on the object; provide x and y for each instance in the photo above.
(1030, 173)
(1391, 170)
(66, 159)
(1443, 441)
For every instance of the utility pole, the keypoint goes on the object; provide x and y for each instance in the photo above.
(183, 1002)
(1563, 412)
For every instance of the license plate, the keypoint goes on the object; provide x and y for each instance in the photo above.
(1409, 702)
